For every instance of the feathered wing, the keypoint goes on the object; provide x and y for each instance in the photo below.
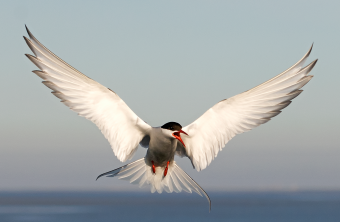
(119, 124)
(241, 113)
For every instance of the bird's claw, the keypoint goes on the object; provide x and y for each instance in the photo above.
(153, 167)
(166, 168)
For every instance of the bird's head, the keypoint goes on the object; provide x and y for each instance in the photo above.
(174, 130)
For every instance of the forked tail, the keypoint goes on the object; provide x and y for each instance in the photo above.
(140, 173)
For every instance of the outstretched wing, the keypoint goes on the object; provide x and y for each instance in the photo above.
(119, 124)
(241, 113)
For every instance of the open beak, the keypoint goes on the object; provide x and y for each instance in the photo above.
(178, 136)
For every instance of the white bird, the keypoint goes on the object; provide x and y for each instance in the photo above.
(200, 141)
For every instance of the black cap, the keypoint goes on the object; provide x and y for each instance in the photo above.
(172, 126)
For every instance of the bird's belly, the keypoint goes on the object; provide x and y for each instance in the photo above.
(161, 153)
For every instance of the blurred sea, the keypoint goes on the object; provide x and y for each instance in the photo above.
(114, 206)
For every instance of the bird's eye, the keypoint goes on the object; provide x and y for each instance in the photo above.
(171, 128)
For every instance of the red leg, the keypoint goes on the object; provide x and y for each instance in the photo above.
(153, 167)
(166, 168)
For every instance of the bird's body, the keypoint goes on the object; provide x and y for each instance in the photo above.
(200, 141)
(161, 148)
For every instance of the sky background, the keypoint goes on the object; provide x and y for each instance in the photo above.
(171, 61)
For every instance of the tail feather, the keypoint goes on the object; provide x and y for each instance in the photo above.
(140, 173)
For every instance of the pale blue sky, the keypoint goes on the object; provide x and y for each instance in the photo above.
(155, 54)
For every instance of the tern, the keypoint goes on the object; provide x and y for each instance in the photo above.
(200, 141)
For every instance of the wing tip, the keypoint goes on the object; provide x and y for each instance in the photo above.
(310, 49)
(34, 60)
(30, 57)
(306, 55)
(29, 32)
(314, 62)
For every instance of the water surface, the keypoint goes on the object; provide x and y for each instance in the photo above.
(114, 206)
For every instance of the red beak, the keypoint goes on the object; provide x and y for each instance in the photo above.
(178, 136)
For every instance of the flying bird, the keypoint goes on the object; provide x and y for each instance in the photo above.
(200, 141)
